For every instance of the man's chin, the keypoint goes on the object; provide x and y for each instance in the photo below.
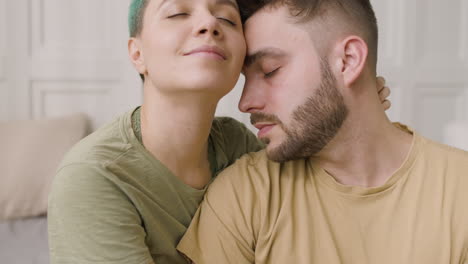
(265, 140)
(286, 151)
(274, 153)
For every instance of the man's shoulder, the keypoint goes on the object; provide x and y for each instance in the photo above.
(243, 175)
(446, 164)
(253, 164)
(255, 171)
(444, 153)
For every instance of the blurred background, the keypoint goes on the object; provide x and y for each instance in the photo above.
(61, 57)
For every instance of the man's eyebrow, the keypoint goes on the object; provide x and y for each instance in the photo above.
(260, 54)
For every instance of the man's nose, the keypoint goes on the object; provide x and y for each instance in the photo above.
(252, 99)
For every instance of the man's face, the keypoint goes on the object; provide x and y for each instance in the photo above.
(193, 44)
(290, 89)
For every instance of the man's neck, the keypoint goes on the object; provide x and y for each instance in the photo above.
(367, 150)
(175, 129)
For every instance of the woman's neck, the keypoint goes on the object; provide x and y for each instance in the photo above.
(175, 130)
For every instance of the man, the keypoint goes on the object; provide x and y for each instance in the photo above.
(338, 182)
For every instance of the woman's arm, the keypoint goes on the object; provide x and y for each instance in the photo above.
(92, 221)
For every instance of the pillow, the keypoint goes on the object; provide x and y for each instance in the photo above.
(30, 152)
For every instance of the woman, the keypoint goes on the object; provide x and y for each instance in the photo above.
(127, 193)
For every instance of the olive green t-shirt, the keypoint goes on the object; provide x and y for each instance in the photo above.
(113, 202)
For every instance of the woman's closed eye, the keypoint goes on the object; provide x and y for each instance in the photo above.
(230, 22)
(226, 20)
(178, 15)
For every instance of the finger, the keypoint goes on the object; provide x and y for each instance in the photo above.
(384, 93)
(386, 104)
(380, 82)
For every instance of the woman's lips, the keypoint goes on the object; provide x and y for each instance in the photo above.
(208, 51)
(208, 54)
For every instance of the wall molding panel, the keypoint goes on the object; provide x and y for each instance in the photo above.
(4, 87)
(437, 105)
(65, 56)
(61, 38)
(464, 33)
(436, 23)
(2, 68)
(3, 37)
(58, 98)
(391, 16)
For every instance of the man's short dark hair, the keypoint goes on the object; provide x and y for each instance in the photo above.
(358, 11)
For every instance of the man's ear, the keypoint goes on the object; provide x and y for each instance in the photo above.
(136, 55)
(353, 52)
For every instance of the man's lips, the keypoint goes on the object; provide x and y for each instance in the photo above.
(213, 50)
(263, 129)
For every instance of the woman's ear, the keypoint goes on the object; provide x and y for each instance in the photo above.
(353, 51)
(136, 55)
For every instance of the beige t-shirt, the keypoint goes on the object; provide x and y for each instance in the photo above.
(258, 211)
(113, 202)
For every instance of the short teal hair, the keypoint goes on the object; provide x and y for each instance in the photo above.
(136, 13)
(135, 16)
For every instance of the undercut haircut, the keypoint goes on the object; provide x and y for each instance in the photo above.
(135, 16)
(136, 13)
(359, 13)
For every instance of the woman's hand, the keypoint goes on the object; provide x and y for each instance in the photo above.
(384, 92)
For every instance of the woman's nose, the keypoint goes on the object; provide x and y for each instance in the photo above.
(215, 32)
(209, 25)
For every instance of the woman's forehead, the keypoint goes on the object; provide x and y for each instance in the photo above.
(160, 3)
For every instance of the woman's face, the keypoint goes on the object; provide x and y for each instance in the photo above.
(189, 45)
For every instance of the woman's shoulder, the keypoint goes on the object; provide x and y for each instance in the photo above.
(232, 139)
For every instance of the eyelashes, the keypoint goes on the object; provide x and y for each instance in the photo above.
(178, 15)
(232, 23)
(226, 20)
(272, 73)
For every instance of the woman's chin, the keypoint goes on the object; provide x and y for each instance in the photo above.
(211, 82)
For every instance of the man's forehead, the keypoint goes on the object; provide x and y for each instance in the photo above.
(265, 23)
(270, 12)
(263, 32)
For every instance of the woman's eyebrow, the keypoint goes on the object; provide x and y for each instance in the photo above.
(218, 2)
(228, 3)
(164, 2)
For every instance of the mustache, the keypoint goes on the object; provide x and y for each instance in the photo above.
(263, 117)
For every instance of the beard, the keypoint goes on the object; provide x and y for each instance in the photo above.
(314, 124)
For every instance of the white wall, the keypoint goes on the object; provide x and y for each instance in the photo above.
(62, 56)
(424, 55)
(65, 56)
